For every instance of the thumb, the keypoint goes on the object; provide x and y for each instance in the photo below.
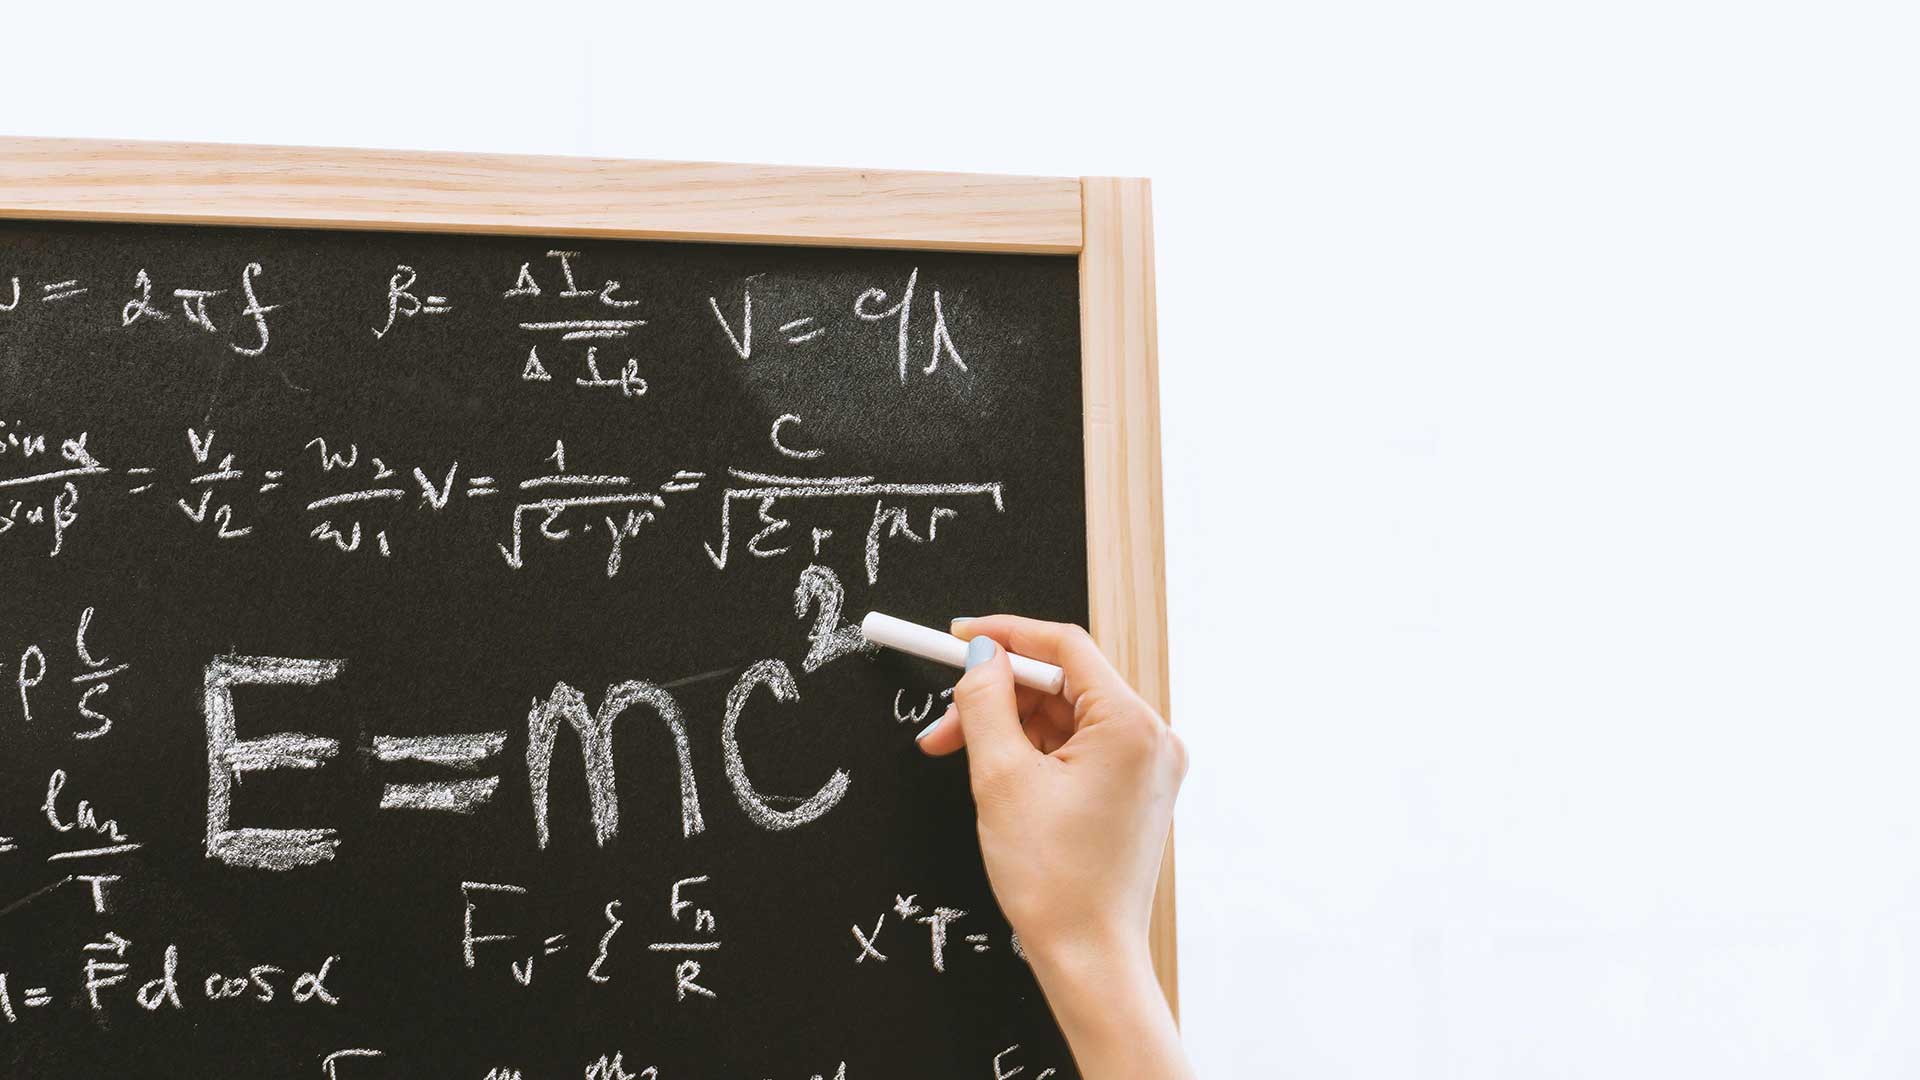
(989, 716)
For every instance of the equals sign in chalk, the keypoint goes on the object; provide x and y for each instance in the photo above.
(942, 647)
(465, 753)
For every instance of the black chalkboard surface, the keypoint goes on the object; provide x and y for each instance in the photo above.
(430, 656)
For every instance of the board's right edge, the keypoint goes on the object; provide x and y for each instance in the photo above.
(1126, 547)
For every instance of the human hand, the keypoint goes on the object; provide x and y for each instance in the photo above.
(1075, 795)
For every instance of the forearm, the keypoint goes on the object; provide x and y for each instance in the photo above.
(1109, 1005)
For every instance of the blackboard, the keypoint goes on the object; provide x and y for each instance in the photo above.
(284, 514)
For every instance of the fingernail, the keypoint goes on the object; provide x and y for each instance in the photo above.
(957, 620)
(931, 728)
(979, 651)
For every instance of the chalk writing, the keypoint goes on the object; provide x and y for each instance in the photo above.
(518, 764)
(356, 501)
(403, 304)
(494, 936)
(92, 679)
(940, 923)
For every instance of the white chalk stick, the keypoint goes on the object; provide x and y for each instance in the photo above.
(942, 647)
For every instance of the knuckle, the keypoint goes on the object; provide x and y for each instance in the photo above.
(1176, 753)
(1156, 744)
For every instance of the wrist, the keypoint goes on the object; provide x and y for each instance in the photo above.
(1096, 966)
(1090, 954)
(1108, 1002)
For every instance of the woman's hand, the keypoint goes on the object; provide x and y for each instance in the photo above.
(1075, 799)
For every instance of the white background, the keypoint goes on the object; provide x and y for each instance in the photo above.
(1539, 389)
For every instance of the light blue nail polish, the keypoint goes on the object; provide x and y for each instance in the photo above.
(979, 651)
(929, 729)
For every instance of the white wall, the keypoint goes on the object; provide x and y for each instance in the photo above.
(1540, 399)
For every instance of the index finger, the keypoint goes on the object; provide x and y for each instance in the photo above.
(1063, 644)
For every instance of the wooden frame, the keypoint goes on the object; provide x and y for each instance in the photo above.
(1106, 222)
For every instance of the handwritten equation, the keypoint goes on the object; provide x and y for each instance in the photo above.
(556, 302)
(351, 500)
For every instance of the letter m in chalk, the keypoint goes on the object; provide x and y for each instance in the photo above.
(228, 756)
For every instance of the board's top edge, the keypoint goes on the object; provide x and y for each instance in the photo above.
(458, 191)
(150, 150)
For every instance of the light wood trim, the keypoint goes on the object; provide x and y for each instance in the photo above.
(317, 187)
(1126, 547)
